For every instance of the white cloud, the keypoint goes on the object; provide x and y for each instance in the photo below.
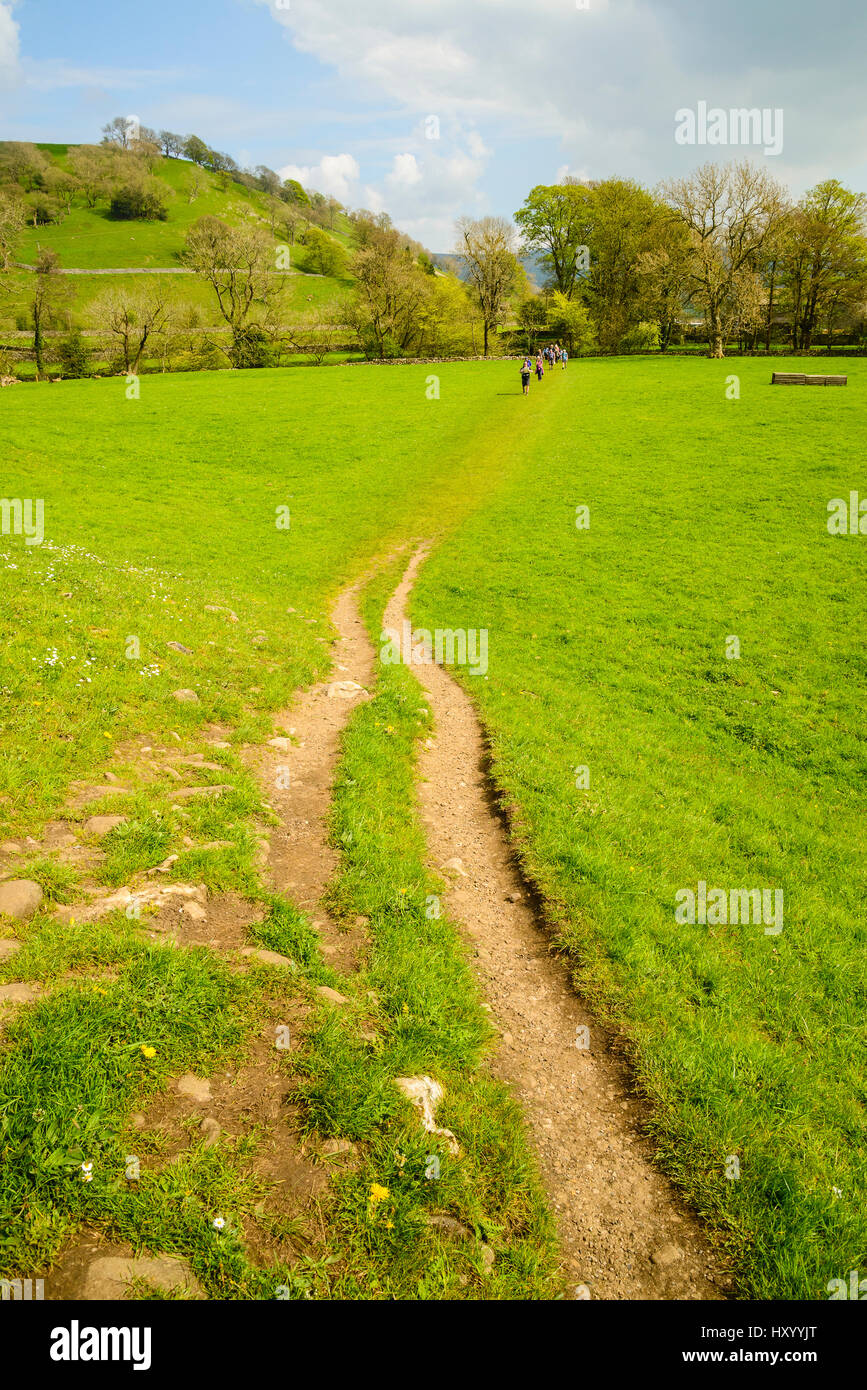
(604, 82)
(405, 171)
(9, 48)
(337, 174)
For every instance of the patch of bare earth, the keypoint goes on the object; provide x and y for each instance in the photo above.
(296, 771)
(623, 1232)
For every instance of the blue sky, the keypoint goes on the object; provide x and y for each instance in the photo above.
(342, 92)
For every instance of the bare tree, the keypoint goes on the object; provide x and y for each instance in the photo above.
(240, 265)
(486, 251)
(730, 212)
(133, 318)
(51, 294)
(12, 218)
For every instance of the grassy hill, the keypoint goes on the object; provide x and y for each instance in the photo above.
(88, 239)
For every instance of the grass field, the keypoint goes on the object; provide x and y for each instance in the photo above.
(707, 520)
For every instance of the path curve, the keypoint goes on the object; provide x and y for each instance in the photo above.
(623, 1232)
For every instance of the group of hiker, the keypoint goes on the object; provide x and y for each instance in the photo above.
(552, 354)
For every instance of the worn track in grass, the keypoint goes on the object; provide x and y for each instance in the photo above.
(623, 1232)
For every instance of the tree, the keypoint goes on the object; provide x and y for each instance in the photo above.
(333, 209)
(74, 355)
(664, 277)
(324, 255)
(239, 264)
(390, 293)
(295, 193)
(195, 149)
(555, 221)
(92, 168)
(569, 321)
(730, 213)
(22, 163)
(171, 144)
(824, 252)
(132, 317)
(119, 131)
(12, 220)
(50, 296)
(139, 200)
(486, 252)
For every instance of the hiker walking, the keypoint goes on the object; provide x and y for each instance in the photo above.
(525, 375)
(540, 369)
(564, 358)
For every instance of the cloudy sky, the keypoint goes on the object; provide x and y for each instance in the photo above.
(434, 108)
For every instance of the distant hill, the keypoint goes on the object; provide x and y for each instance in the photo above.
(530, 260)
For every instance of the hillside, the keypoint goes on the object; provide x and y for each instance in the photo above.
(89, 240)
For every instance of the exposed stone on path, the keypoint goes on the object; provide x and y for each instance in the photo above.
(186, 697)
(186, 793)
(345, 690)
(195, 1088)
(109, 1277)
(19, 992)
(20, 898)
(267, 957)
(101, 825)
(426, 1094)
(332, 995)
(8, 947)
(211, 1131)
(10, 847)
(454, 866)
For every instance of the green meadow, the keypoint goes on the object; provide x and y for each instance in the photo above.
(639, 750)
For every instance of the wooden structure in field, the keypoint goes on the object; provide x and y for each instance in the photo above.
(799, 379)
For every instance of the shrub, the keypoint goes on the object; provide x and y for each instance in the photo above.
(74, 355)
(137, 202)
(642, 337)
(251, 347)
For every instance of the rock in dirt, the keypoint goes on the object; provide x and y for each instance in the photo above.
(165, 866)
(17, 993)
(449, 1226)
(283, 745)
(20, 898)
(179, 647)
(193, 1087)
(101, 825)
(10, 847)
(345, 690)
(426, 1094)
(211, 1131)
(332, 1147)
(108, 1277)
(186, 697)
(667, 1255)
(332, 995)
(195, 911)
(8, 947)
(137, 1120)
(454, 866)
(267, 957)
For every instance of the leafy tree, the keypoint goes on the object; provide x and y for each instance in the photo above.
(824, 257)
(555, 220)
(569, 321)
(295, 193)
(139, 201)
(324, 255)
(390, 295)
(74, 355)
(195, 149)
(23, 164)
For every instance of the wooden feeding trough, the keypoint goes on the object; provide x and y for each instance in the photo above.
(800, 379)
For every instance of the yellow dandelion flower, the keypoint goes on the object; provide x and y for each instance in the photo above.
(148, 1051)
(377, 1192)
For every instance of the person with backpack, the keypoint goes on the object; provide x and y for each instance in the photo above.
(564, 358)
(525, 375)
(540, 369)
